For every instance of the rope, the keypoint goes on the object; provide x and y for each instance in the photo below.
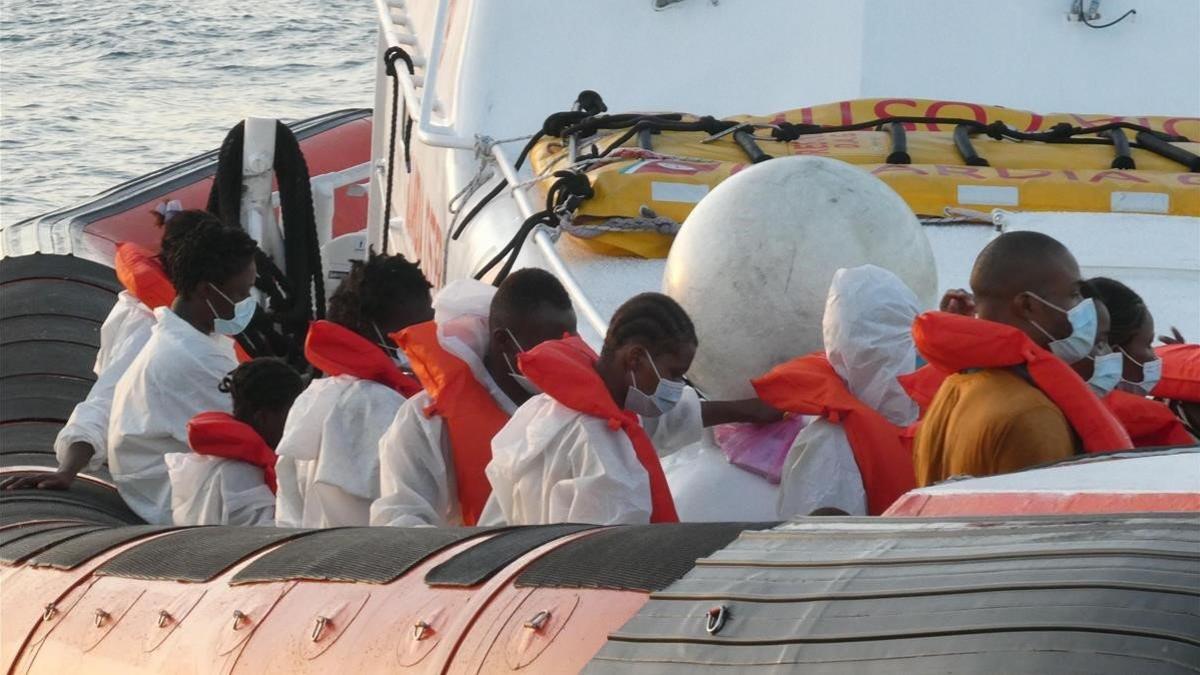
(563, 197)
(389, 63)
(298, 296)
(1083, 18)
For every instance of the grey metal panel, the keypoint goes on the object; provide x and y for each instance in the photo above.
(1032, 652)
(1094, 594)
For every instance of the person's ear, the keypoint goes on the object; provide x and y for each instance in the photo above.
(1022, 306)
(629, 355)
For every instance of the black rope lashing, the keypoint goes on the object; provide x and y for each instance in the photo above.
(1121, 158)
(1162, 148)
(294, 299)
(587, 104)
(564, 197)
(390, 56)
(899, 144)
(962, 143)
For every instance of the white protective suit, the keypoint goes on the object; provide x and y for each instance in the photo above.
(707, 488)
(551, 464)
(173, 379)
(416, 473)
(868, 338)
(328, 467)
(123, 334)
(208, 490)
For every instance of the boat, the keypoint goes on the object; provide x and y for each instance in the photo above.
(598, 168)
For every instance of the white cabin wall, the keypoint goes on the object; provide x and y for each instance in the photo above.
(1025, 54)
(529, 58)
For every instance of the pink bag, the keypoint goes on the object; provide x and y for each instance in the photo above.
(759, 449)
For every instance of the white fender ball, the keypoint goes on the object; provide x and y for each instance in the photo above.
(753, 262)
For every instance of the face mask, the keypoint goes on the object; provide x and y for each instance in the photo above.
(1079, 343)
(1151, 374)
(525, 382)
(666, 395)
(397, 355)
(243, 312)
(1106, 373)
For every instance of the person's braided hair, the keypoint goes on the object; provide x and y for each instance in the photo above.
(651, 320)
(208, 252)
(1126, 310)
(372, 288)
(262, 384)
(175, 227)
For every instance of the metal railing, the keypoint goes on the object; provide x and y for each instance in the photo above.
(396, 30)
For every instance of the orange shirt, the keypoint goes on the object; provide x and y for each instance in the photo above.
(988, 422)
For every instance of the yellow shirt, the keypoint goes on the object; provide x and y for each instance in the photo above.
(988, 422)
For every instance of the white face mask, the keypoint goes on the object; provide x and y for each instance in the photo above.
(243, 312)
(1106, 373)
(1077, 345)
(1151, 374)
(525, 382)
(397, 355)
(666, 395)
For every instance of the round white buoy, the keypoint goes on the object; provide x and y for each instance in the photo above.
(753, 262)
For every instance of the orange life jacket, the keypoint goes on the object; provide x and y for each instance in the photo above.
(922, 384)
(337, 350)
(1150, 423)
(1181, 373)
(141, 273)
(566, 371)
(810, 386)
(954, 343)
(223, 435)
(472, 416)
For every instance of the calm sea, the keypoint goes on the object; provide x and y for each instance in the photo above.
(95, 93)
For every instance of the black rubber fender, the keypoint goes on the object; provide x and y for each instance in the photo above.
(41, 397)
(50, 327)
(32, 437)
(47, 357)
(102, 502)
(55, 296)
(64, 267)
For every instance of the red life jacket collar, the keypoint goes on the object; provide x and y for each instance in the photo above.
(471, 415)
(220, 434)
(566, 371)
(141, 273)
(1180, 373)
(337, 350)
(1150, 423)
(954, 343)
(809, 385)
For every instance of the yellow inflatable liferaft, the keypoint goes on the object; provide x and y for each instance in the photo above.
(645, 184)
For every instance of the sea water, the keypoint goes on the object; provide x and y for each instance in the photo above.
(96, 93)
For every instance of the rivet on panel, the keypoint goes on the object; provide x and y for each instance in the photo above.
(101, 617)
(239, 617)
(715, 619)
(164, 618)
(538, 621)
(319, 627)
(50, 612)
(421, 630)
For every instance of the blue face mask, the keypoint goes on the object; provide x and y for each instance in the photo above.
(665, 397)
(526, 383)
(1151, 374)
(1076, 346)
(243, 312)
(1106, 373)
(397, 355)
